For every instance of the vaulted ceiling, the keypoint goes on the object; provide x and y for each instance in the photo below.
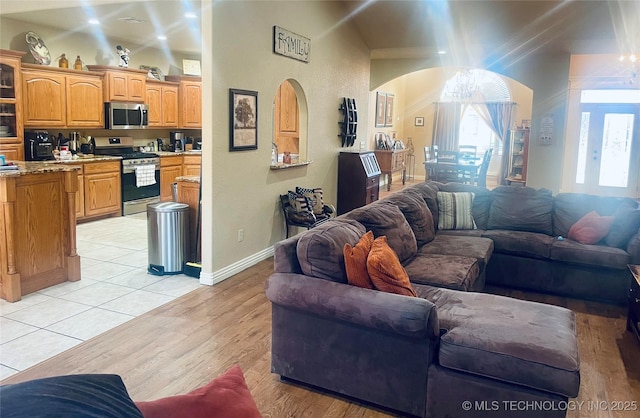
(477, 32)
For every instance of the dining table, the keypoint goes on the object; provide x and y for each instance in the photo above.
(468, 168)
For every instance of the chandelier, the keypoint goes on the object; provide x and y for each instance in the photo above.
(463, 85)
(630, 64)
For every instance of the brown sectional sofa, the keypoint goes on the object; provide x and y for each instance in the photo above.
(428, 356)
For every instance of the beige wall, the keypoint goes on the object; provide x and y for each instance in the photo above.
(244, 190)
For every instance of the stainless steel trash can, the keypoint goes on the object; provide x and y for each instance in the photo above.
(168, 237)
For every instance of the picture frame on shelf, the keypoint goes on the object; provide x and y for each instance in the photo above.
(419, 121)
(243, 120)
(388, 122)
(153, 73)
(381, 107)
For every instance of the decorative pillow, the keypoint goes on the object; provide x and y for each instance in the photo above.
(591, 228)
(355, 261)
(387, 219)
(385, 270)
(79, 395)
(314, 196)
(225, 396)
(321, 250)
(454, 210)
(299, 202)
(626, 224)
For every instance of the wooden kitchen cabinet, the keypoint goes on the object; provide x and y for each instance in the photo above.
(44, 98)
(123, 84)
(162, 99)
(11, 142)
(102, 195)
(191, 165)
(84, 101)
(189, 101)
(63, 98)
(170, 168)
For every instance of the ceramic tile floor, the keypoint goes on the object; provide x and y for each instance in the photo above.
(115, 287)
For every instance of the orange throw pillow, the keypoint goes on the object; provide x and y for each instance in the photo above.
(591, 228)
(355, 261)
(385, 270)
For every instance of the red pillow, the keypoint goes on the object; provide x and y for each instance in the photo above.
(591, 228)
(355, 261)
(225, 396)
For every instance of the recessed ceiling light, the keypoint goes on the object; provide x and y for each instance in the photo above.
(131, 19)
(190, 15)
(442, 52)
(162, 37)
(94, 22)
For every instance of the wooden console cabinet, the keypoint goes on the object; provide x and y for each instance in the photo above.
(391, 162)
(358, 180)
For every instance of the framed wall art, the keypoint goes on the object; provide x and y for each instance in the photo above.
(389, 111)
(419, 121)
(243, 117)
(381, 107)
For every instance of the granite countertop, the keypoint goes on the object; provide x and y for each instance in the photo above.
(37, 167)
(88, 158)
(189, 179)
(171, 153)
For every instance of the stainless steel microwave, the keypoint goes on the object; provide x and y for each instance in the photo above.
(126, 115)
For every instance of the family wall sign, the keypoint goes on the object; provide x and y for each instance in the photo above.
(291, 44)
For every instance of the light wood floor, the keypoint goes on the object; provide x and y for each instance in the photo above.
(186, 343)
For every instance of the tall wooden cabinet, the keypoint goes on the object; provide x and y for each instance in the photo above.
(190, 101)
(11, 135)
(358, 180)
(518, 156)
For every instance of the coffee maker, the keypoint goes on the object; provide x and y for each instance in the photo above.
(176, 141)
(38, 146)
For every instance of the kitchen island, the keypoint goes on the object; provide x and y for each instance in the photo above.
(37, 228)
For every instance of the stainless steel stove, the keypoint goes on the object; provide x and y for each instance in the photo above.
(140, 173)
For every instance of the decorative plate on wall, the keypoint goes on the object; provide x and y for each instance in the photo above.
(38, 49)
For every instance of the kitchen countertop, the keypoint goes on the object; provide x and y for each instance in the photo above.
(189, 179)
(36, 167)
(171, 153)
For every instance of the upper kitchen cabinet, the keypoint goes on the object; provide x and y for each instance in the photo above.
(11, 131)
(162, 99)
(58, 97)
(190, 101)
(123, 84)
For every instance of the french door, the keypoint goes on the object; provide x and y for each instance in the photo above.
(609, 150)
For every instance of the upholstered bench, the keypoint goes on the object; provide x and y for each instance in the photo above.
(515, 350)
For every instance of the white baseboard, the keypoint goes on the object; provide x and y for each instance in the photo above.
(235, 268)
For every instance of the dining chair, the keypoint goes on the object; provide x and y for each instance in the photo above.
(484, 168)
(467, 152)
(447, 167)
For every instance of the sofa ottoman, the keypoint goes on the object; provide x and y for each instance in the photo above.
(530, 346)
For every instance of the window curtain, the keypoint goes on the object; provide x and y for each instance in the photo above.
(446, 126)
(498, 117)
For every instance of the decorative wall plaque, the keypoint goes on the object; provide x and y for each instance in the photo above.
(291, 44)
